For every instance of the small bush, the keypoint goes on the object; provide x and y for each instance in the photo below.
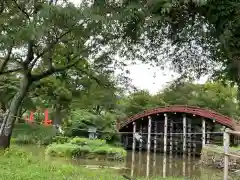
(25, 139)
(60, 139)
(86, 148)
(85, 141)
(63, 150)
(113, 153)
(33, 134)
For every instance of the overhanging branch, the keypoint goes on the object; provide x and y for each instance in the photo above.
(29, 57)
(5, 60)
(10, 71)
(53, 70)
(48, 48)
(89, 75)
(21, 9)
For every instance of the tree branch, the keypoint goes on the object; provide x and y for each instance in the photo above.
(2, 6)
(5, 60)
(90, 75)
(21, 9)
(10, 71)
(53, 70)
(30, 56)
(49, 47)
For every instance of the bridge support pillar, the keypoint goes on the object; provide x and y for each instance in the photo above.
(184, 133)
(171, 136)
(208, 131)
(189, 136)
(134, 140)
(203, 132)
(140, 143)
(165, 132)
(155, 136)
(149, 133)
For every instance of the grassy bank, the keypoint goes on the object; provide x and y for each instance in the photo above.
(86, 148)
(16, 164)
(213, 156)
(220, 149)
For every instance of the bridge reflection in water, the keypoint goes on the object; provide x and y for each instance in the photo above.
(147, 164)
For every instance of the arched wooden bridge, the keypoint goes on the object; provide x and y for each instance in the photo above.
(176, 128)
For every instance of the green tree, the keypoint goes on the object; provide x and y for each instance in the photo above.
(214, 96)
(211, 95)
(97, 96)
(194, 37)
(139, 101)
(41, 38)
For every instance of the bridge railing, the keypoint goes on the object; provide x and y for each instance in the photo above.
(227, 153)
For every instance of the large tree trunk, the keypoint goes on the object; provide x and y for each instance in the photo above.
(13, 109)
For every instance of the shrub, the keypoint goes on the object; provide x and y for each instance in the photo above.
(85, 141)
(25, 139)
(83, 147)
(67, 150)
(33, 133)
(113, 153)
(63, 150)
(60, 139)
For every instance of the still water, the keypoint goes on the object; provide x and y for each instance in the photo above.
(143, 164)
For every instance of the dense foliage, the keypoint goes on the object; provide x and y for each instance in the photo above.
(58, 55)
(215, 96)
(86, 148)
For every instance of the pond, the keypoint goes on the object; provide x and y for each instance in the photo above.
(143, 164)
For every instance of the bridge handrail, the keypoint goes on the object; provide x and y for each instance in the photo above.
(193, 108)
(226, 142)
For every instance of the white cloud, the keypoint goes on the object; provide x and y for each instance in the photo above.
(145, 76)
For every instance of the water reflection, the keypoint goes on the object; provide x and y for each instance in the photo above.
(154, 164)
(142, 164)
(133, 163)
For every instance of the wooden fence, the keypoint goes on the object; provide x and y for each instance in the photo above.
(227, 154)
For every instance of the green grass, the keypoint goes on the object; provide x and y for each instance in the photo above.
(220, 149)
(16, 164)
(86, 148)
